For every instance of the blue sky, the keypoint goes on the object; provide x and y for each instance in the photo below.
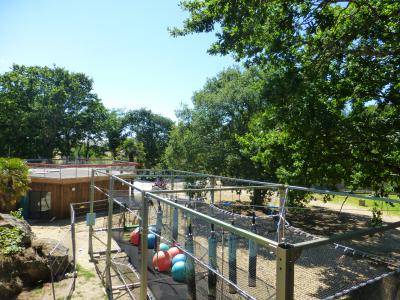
(123, 45)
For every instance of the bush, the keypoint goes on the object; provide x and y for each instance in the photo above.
(10, 240)
(14, 182)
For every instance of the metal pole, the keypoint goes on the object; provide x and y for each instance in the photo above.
(91, 208)
(190, 270)
(212, 184)
(175, 224)
(232, 245)
(212, 261)
(281, 223)
(143, 248)
(253, 256)
(285, 259)
(109, 233)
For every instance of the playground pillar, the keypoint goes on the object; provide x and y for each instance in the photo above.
(212, 259)
(285, 258)
(109, 233)
(143, 248)
(232, 245)
(190, 270)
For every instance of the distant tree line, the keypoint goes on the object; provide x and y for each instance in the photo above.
(49, 111)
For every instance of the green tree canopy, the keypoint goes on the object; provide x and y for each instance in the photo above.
(133, 150)
(331, 99)
(206, 136)
(44, 110)
(150, 129)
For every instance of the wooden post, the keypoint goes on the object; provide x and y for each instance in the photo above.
(285, 258)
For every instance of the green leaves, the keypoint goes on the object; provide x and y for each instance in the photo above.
(10, 240)
(14, 182)
(329, 91)
(46, 110)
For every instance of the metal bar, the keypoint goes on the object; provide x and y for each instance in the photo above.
(345, 236)
(212, 194)
(109, 233)
(91, 213)
(293, 187)
(144, 251)
(224, 188)
(238, 231)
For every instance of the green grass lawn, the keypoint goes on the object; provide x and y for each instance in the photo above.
(352, 202)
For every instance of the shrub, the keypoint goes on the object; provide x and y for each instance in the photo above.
(14, 182)
(10, 240)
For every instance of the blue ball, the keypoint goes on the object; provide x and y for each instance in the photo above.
(179, 271)
(151, 241)
(178, 257)
(164, 247)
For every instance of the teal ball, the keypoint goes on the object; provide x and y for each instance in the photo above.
(179, 271)
(179, 257)
(164, 247)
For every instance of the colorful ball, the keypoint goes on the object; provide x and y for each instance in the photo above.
(173, 251)
(164, 247)
(135, 237)
(178, 257)
(179, 271)
(151, 241)
(162, 261)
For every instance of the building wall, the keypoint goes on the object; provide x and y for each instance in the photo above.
(67, 191)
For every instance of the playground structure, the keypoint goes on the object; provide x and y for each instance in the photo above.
(228, 255)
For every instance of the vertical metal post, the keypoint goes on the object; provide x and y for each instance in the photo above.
(109, 233)
(212, 193)
(253, 256)
(172, 180)
(175, 224)
(212, 261)
(73, 241)
(232, 245)
(190, 268)
(91, 208)
(158, 226)
(143, 248)
(285, 258)
(282, 214)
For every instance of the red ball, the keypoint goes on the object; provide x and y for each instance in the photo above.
(135, 237)
(173, 251)
(162, 261)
